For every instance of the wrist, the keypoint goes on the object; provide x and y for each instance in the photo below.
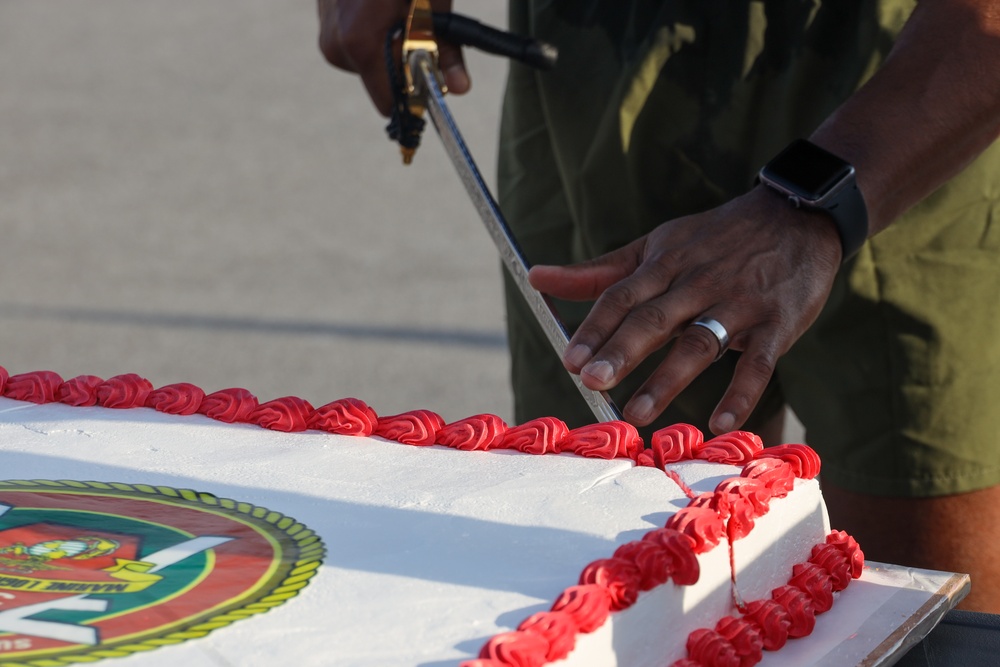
(814, 229)
(814, 179)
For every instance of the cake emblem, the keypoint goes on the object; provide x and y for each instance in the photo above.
(92, 570)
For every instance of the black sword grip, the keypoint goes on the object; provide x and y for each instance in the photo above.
(466, 31)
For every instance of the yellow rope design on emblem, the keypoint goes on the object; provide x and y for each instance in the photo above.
(309, 547)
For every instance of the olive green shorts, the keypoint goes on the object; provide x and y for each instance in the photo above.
(896, 382)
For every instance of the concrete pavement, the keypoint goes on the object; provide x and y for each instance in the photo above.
(189, 192)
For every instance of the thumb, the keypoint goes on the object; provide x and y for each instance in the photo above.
(452, 64)
(450, 58)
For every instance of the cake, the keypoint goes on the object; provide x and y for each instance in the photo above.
(157, 525)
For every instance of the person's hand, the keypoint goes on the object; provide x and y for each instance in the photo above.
(352, 37)
(756, 265)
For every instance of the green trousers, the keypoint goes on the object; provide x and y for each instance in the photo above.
(658, 110)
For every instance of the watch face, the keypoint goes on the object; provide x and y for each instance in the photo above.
(806, 170)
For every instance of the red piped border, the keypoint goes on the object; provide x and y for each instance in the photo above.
(613, 584)
(347, 416)
(606, 585)
(790, 612)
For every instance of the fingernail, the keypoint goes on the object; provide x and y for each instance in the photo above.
(641, 408)
(578, 355)
(600, 370)
(725, 422)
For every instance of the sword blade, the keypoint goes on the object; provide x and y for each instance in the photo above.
(513, 258)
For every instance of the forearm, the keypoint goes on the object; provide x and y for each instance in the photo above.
(931, 108)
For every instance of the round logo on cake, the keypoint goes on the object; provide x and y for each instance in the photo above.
(93, 570)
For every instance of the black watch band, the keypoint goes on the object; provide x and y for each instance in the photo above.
(850, 214)
(815, 179)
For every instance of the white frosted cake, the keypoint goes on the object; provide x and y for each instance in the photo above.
(158, 525)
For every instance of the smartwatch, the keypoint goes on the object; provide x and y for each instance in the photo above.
(815, 179)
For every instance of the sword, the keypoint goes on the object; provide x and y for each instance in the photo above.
(426, 92)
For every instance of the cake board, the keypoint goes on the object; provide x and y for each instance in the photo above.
(878, 618)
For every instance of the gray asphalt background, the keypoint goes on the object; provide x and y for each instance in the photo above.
(189, 192)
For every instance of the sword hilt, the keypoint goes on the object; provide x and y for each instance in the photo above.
(465, 31)
(422, 30)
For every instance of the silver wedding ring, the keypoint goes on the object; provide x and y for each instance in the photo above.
(718, 331)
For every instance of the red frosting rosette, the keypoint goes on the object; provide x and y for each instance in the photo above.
(850, 548)
(801, 614)
(804, 461)
(680, 549)
(717, 502)
(229, 405)
(558, 629)
(605, 440)
(778, 476)
(417, 427)
(516, 649)
(79, 391)
(732, 448)
(834, 562)
(34, 387)
(772, 620)
(346, 416)
(813, 580)
(182, 398)
(587, 604)
(654, 563)
(287, 414)
(620, 576)
(675, 443)
(479, 432)
(744, 637)
(745, 499)
(701, 524)
(537, 436)
(708, 647)
(124, 392)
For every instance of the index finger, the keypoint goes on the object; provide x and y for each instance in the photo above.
(588, 279)
(649, 280)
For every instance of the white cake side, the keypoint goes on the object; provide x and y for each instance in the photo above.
(653, 632)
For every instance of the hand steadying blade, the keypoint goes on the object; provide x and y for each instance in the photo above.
(425, 92)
